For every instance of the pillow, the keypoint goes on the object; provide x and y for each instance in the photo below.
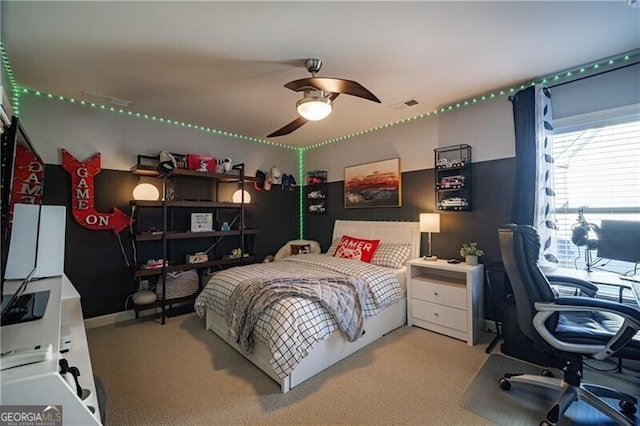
(334, 245)
(300, 249)
(287, 249)
(356, 248)
(391, 255)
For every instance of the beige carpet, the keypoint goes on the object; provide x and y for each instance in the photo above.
(181, 374)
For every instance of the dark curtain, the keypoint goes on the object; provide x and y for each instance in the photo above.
(524, 118)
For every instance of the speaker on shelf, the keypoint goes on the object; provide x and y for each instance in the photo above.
(144, 297)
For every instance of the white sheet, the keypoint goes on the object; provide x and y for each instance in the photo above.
(401, 274)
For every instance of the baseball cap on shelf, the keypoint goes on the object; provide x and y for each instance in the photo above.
(167, 163)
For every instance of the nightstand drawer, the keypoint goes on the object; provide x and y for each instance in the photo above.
(438, 314)
(441, 293)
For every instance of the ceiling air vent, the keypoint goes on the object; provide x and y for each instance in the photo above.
(105, 100)
(406, 104)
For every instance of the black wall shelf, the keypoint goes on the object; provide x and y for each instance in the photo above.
(453, 178)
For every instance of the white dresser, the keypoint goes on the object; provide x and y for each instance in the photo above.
(41, 383)
(446, 298)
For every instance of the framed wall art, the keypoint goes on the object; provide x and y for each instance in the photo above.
(316, 177)
(376, 184)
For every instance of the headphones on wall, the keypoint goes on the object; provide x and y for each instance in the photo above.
(580, 232)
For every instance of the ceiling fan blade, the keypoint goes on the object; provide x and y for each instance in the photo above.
(285, 130)
(335, 85)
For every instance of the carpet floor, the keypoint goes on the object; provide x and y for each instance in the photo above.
(525, 405)
(182, 374)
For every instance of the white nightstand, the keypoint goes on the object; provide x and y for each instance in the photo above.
(446, 298)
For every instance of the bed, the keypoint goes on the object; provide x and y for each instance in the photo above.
(320, 340)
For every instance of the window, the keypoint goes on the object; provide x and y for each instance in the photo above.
(597, 170)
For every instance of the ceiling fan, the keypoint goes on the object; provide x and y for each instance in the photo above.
(318, 97)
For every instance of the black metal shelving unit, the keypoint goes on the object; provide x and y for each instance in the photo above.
(168, 233)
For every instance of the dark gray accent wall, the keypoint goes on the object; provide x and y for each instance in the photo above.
(94, 261)
(95, 264)
(493, 183)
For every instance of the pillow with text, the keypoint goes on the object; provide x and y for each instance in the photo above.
(356, 248)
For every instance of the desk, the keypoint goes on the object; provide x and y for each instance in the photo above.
(604, 278)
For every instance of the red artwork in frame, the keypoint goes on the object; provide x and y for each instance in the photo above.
(376, 184)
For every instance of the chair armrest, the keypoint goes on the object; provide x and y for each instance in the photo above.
(629, 327)
(586, 288)
(626, 311)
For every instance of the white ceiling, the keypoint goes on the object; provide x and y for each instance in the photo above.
(223, 64)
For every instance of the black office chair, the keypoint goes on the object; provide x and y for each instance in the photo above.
(569, 328)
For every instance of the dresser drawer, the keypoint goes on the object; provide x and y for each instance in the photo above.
(439, 314)
(453, 295)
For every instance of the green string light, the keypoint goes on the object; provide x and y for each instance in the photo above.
(21, 90)
(300, 192)
(14, 88)
(17, 91)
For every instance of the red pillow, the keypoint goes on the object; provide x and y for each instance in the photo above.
(356, 248)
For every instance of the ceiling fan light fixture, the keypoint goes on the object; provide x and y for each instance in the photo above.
(313, 107)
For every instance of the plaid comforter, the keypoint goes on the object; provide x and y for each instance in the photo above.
(291, 326)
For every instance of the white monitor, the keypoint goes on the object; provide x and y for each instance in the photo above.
(36, 246)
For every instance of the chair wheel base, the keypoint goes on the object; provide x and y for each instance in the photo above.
(504, 384)
(628, 408)
(546, 373)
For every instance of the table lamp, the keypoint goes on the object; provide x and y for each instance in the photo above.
(429, 222)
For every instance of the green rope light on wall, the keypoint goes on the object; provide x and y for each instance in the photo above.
(460, 104)
(24, 91)
(300, 191)
(15, 91)
(18, 91)
(487, 96)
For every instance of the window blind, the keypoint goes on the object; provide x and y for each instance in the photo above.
(597, 170)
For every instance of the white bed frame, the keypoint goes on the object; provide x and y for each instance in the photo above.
(329, 351)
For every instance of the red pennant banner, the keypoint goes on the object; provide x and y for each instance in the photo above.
(83, 195)
(28, 175)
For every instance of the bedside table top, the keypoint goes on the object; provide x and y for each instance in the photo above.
(443, 264)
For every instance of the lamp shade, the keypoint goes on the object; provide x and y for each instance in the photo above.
(146, 192)
(429, 222)
(237, 196)
(314, 108)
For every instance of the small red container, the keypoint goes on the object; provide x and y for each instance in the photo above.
(201, 163)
